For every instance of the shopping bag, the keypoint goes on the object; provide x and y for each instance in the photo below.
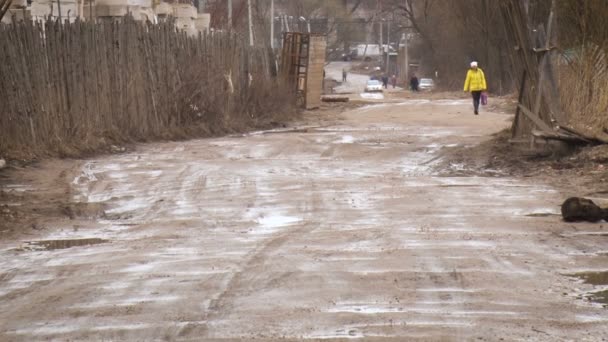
(484, 98)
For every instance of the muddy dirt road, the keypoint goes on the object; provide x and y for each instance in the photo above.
(339, 231)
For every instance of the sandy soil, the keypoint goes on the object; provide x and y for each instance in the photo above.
(344, 226)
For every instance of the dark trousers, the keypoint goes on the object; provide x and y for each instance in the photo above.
(476, 99)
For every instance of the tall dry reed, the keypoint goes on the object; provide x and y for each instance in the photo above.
(583, 83)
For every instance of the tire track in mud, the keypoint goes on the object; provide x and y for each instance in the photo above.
(438, 293)
(247, 279)
(257, 259)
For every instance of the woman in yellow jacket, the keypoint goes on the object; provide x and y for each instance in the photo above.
(476, 84)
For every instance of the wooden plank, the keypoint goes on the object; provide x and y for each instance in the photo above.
(519, 141)
(334, 98)
(520, 98)
(541, 78)
(535, 119)
(545, 49)
(588, 138)
(559, 136)
(4, 6)
(544, 68)
(549, 86)
(517, 29)
(551, 92)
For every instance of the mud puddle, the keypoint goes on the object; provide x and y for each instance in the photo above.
(595, 279)
(600, 297)
(59, 244)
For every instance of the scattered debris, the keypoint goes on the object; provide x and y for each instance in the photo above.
(599, 279)
(84, 210)
(117, 149)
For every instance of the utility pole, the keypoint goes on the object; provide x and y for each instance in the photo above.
(379, 14)
(230, 14)
(388, 46)
(250, 23)
(406, 70)
(381, 36)
(272, 24)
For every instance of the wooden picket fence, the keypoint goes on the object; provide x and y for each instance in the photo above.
(68, 88)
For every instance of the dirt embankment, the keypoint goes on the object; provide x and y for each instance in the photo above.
(32, 195)
(578, 170)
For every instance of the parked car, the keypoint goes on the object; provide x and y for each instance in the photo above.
(350, 56)
(372, 86)
(426, 84)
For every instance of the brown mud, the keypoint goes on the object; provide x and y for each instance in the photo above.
(391, 221)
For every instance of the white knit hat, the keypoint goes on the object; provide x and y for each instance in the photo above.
(473, 64)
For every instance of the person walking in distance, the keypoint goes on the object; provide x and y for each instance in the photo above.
(385, 81)
(344, 74)
(394, 81)
(414, 83)
(475, 83)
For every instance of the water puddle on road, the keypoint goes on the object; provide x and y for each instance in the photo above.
(596, 279)
(274, 221)
(372, 96)
(600, 297)
(59, 244)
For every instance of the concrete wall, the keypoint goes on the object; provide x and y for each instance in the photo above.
(202, 22)
(316, 63)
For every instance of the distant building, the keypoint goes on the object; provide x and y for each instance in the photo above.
(185, 13)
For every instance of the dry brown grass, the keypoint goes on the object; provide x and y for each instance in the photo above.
(583, 83)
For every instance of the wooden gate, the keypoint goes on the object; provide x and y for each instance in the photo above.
(302, 63)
